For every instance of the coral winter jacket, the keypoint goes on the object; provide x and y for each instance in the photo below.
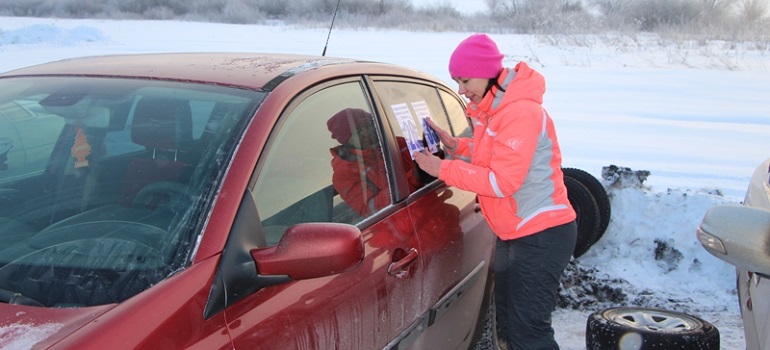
(513, 161)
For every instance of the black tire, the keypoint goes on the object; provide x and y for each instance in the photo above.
(587, 215)
(490, 339)
(645, 328)
(600, 196)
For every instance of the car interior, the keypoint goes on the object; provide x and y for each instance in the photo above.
(102, 185)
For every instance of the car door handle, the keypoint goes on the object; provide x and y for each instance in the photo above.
(400, 267)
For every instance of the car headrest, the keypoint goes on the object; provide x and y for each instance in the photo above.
(163, 123)
(96, 117)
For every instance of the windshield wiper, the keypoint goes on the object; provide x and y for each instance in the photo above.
(16, 298)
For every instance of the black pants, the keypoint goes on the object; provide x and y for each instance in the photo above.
(527, 275)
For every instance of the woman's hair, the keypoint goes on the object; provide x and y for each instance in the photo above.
(493, 83)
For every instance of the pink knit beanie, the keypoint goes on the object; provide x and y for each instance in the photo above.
(476, 57)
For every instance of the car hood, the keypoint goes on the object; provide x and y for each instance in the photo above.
(22, 327)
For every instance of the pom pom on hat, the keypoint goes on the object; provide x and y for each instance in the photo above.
(476, 57)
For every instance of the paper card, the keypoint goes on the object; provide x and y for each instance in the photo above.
(431, 138)
(408, 127)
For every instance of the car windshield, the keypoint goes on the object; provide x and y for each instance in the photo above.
(105, 183)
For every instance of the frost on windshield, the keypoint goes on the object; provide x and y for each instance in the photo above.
(83, 272)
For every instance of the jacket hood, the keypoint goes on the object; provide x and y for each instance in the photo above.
(528, 84)
(521, 83)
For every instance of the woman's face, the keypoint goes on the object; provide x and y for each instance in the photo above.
(365, 136)
(472, 88)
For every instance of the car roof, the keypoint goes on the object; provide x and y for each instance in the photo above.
(245, 70)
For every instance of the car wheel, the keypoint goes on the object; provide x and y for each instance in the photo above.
(645, 328)
(490, 338)
(597, 191)
(587, 215)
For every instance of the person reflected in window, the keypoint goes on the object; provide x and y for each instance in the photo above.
(359, 174)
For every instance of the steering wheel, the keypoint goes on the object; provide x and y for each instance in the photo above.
(163, 194)
(136, 232)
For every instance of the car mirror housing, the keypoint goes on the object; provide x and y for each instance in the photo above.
(312, 250)
(739, 235)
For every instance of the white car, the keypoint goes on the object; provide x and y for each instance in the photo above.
(740, 235)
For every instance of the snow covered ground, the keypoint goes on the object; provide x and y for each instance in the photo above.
(697, 116)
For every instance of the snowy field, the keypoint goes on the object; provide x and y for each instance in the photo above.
(697, 116)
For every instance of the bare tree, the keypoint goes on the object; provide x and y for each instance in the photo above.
(714, 12)
(717, 5)
(504, 7)
(611, 7)
(752, 10)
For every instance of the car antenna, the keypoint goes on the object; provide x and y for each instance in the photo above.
(330, 28)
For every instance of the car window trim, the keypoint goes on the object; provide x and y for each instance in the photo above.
(384, 135)
(403, 193)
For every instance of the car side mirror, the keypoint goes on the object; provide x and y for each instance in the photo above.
(739, 235)
(312, 250)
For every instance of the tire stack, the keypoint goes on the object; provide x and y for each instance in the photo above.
(592, 205)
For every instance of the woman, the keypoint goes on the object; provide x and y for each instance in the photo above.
(513, 164)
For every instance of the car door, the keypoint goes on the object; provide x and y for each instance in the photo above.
(456, 243)
(753, 287)
(302, 177)
(755, 308)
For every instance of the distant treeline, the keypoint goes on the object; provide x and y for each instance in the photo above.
(702, 19)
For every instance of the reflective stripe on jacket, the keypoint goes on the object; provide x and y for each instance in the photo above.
(515, 161)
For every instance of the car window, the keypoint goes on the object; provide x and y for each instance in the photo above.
(406, 104)
(27, 137)
(324, 164)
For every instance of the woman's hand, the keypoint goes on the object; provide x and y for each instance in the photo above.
(446, 138)
(428, 162)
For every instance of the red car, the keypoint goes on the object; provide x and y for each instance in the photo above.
(233, 201)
